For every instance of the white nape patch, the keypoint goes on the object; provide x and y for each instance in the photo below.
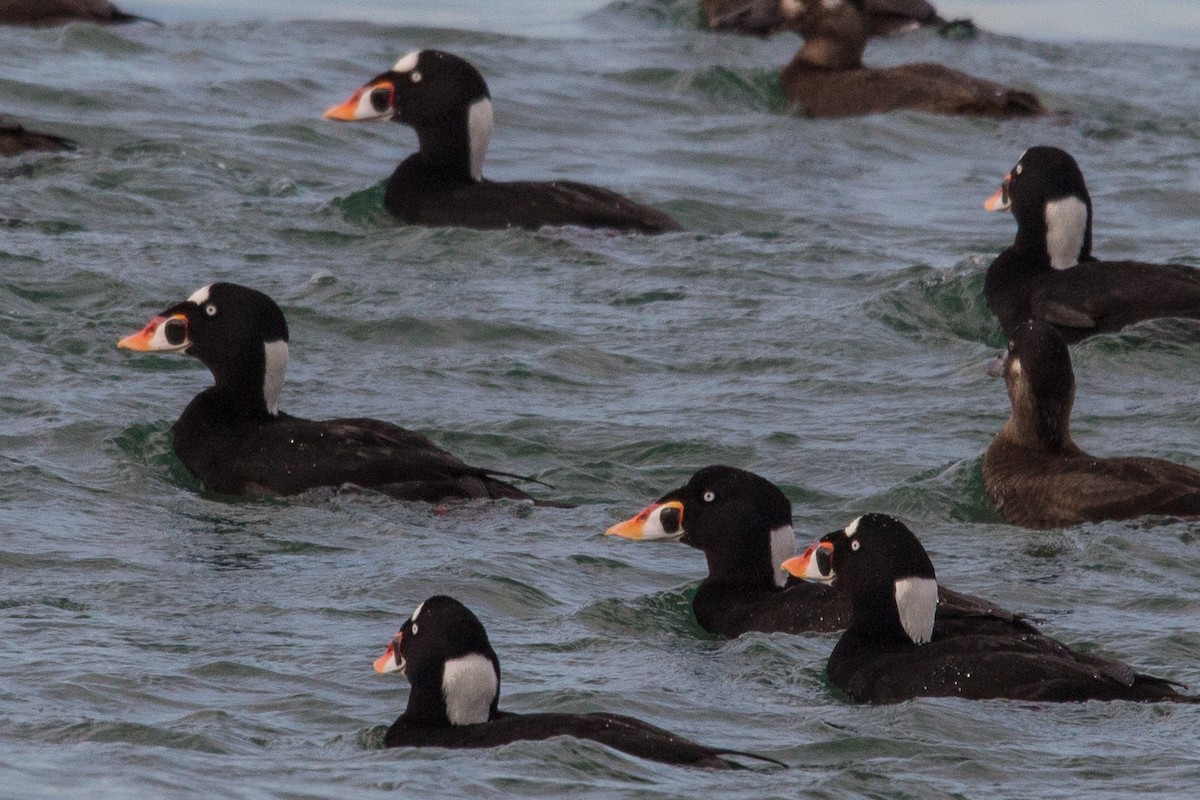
(783, 547)
(417, 611)
(277, 357)
(916, 600)
(407, 62)
(1066, 223)
(479, 133)
(852, 528)
(469, 685)
(200, 296)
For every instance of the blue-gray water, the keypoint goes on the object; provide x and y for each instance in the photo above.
(820, 322)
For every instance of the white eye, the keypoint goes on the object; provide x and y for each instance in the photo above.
(709, 497)
(855, 544)
(414, 629)
(415, 76)
(1017, 171)
(211, 310)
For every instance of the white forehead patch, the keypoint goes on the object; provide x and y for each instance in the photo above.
(1066, 224)
(407, 62)
(416, 612)
(852, 528)
(200, 296)
(916, 600)
(783, 547)
(469, 685)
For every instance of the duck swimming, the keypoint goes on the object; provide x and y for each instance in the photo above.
(827, 78)
(235, 440)
(447, 102)
(1049, 272)
(896, 647)
(444, 652)
(1039, 478)
(743, 524)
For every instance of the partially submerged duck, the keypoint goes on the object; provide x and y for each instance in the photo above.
(884, 17)
(447, 102)
(827, 78)
(60, 12)
(16, 139)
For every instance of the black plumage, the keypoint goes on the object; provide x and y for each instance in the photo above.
(59, 12)
(235, 440)
(901, 645)
(443, 650)
(15, 138)
(1035, 473)
(1049, 272)
(743, 524)
(446, 101)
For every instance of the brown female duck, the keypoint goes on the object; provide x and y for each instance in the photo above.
(827, 78)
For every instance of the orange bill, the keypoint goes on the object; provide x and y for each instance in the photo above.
(1000, 200)
(161, 333)
(811, 565)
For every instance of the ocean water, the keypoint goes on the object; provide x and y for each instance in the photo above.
(820, 322)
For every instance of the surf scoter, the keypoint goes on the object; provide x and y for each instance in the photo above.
(826, 78)
(1039, 478)
(444, 652)
(234, 438)
(897, 646)
(883, 17)
(743, 524)
(446, 101)
(1050, 274)
(16, 139)
(59, 12)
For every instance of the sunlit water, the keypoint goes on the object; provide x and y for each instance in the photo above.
(819, 322)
